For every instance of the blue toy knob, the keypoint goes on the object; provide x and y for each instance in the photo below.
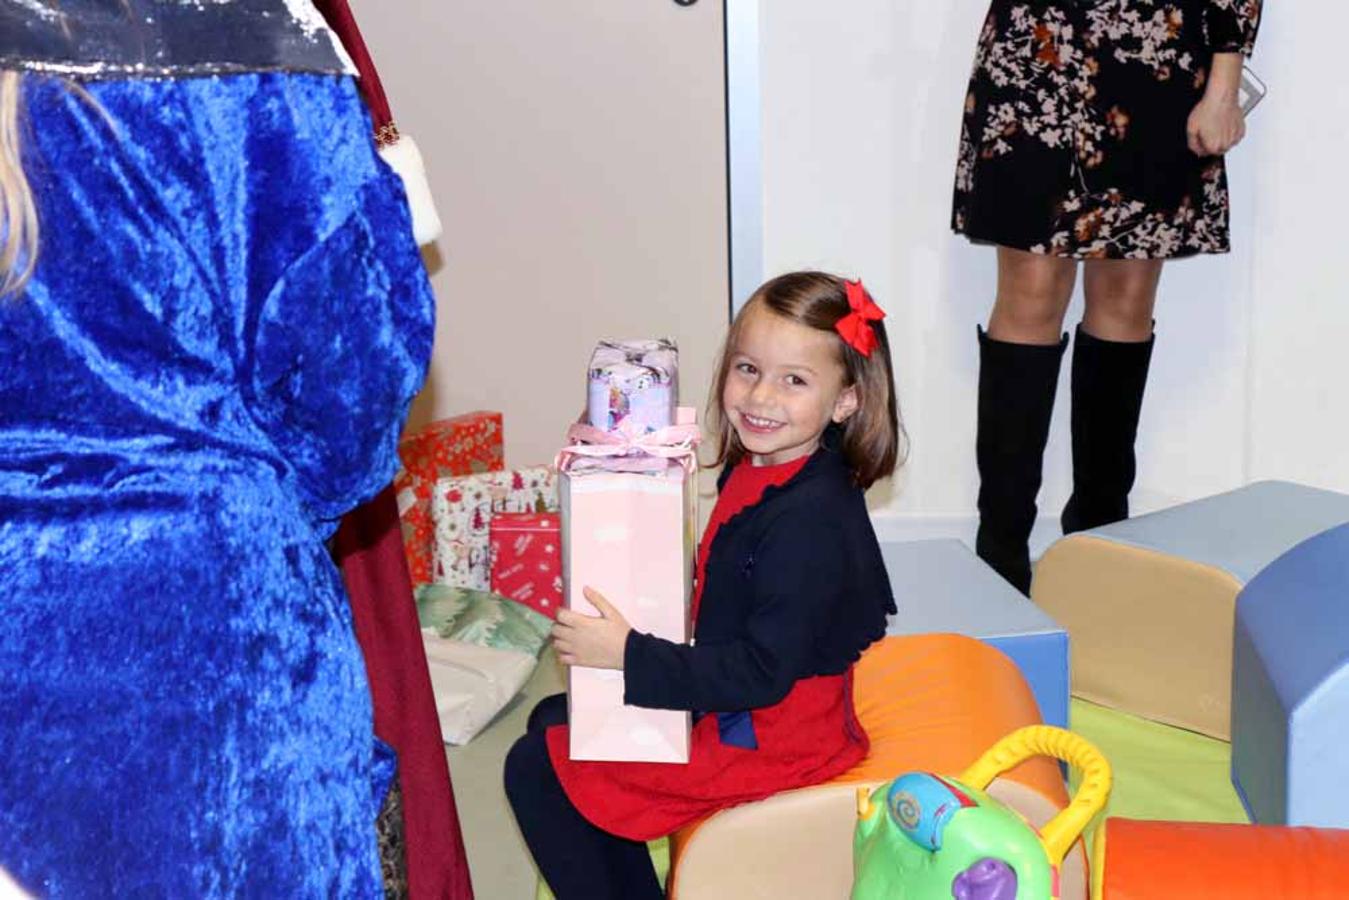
(921, 805)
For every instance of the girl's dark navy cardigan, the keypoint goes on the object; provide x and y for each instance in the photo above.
(795, 587)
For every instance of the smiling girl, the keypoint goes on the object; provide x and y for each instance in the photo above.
(791, 590)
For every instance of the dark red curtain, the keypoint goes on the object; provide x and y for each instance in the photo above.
(369, 549)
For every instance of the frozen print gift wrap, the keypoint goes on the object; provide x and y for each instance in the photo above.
(636, 382)
(628, 530)
(461, 515)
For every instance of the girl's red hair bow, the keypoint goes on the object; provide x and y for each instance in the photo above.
(855, 327)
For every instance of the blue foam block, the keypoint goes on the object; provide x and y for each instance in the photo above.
(1239, 532)
(942, 587)
(1290, 687)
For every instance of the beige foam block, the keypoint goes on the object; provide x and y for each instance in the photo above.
(1150, 633)
(799, 844)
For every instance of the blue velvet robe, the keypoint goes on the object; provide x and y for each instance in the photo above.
(228, 320)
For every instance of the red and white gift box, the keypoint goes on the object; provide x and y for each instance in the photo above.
(462, 510)
(527, 559)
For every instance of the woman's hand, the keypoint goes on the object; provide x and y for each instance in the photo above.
(596, 642)
(1216, 123)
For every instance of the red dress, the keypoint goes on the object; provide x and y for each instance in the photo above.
(808, 737)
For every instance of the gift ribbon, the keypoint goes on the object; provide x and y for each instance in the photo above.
(626, 450)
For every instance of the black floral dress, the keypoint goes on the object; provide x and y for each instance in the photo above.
(1073, 142)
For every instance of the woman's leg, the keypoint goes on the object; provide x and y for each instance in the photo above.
(578, 860)
(1120, 295)
(1033, 295)
(1019, 359)
(1110, 371)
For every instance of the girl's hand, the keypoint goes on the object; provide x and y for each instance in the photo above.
(1216, 125)
(596, 642)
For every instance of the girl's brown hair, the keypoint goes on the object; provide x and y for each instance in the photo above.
(871, 441)
(18, 217)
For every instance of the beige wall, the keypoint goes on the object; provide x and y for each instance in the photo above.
(576, 152)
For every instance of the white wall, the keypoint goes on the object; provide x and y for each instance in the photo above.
(861, 107)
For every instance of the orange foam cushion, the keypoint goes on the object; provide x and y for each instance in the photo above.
(1164, 860)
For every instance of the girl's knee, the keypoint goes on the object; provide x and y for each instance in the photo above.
(548, 712)
(527, 765)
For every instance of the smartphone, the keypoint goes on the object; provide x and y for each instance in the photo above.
(1251, 91)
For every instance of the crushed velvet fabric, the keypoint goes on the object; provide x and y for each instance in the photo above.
(228, 320)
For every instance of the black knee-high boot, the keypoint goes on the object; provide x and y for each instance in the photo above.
(1108, 381)
(1016, 399)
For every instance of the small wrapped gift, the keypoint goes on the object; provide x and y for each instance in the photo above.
(462, 509)
(480, 651)
(461, 445)
(633, 382)
(527, 559)
(629, 528)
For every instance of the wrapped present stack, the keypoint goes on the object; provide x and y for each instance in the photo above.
(463, 509)
(469, 524)
(452, 489)
(627, 488)
(457, 446)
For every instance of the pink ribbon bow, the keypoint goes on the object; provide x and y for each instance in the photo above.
(856, 327)
(627, 450)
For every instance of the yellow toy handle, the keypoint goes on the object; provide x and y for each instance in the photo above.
(1046, 740)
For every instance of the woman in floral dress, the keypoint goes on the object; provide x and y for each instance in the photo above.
(1093, 130)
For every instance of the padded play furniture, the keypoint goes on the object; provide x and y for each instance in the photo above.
(1149, 602)
(1290, 687)
(1160, 772)
(1138, 860)
(928, 702)
(941, 586)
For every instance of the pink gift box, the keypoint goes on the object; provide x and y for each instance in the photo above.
(630, 536)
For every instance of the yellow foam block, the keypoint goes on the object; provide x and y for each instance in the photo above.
(1149, 602)
(1150, 633)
